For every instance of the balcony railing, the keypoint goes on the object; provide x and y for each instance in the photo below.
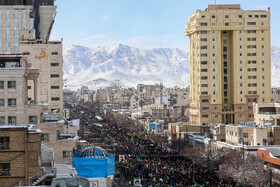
(4, 172)
(269, 113)
(4, 145)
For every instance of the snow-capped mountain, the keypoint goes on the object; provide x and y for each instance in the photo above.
(125, 66)
(128, 66)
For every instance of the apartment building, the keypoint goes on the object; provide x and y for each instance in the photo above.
(20, 150)
(26, 26)
(267, 113)
(229, 63)
(252, 134)
(15, 108)
(47, 57)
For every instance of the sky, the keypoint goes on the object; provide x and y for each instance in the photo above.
(140, 23)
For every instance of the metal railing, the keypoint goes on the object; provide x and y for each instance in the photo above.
(4, 172)
(5, 145)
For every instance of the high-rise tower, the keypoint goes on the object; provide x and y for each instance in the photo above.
(25, 27)
(229, 63)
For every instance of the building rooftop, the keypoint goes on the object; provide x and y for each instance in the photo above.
(220, 6)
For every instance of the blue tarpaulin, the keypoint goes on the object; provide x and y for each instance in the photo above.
(152, 126)
(94, 167)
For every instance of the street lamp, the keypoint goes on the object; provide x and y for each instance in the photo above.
(241, 139)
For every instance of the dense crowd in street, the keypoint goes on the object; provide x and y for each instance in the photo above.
(145, 160)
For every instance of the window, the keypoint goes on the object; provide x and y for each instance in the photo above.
(203, 47)
(213, 16)
(54, 64)
(204, 100)
(1, 84)
(2, 102)
(239, 107)
(251, 31)
(203, 39)
(239, 23)
(204, 78)
(240, 16)
(205, 108)
(66, 154)
(12, 102)
(251, 23)
(4, 142)
(251, 46)
(251, 39)
(239, 115)
(252, 77)
(263, 16)
(216, 108)
(251, 54)
(204, 93)
(54, 87)
(252, 92)
(252, 85)
(203, 16)
(216, 115)
(11, 84)
(256, 16)
(45, 137)
(204, 54)
(252, 69)
(205, 115)
(203, 62)
(241, 92)
(204, 85)
(12, 120)
(245, 134)
(54, 53)
(213, 24)
(203, 32)
(252, 100)
(249, 16)
(33, 119)
(250, 108)
(54, 75)
(204, 70)
(2, 120)
(252, 62)
(250, 115)
(55, 98)
(4, 169)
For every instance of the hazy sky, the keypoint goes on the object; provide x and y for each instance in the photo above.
(140, 23)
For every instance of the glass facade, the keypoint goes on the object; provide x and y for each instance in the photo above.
(1, 50)
(8, 31)
(16, 34)
(23, 24)
(225, 70)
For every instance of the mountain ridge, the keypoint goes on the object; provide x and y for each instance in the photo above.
(127, 66)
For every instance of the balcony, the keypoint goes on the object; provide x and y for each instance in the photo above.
(50, 117)
(65, 135)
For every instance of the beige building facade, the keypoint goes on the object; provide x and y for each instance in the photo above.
(267, 113)
(47, 58)
(20, 150)
(15, 109)
(229, 63)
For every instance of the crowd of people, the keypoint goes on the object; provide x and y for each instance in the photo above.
(144, 160)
